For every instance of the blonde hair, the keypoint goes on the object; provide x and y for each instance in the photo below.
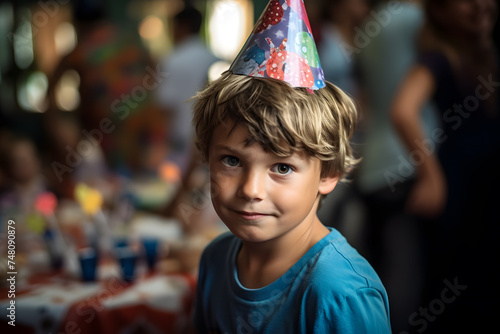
(281, 118)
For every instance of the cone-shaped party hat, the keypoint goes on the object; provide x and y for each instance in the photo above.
(282, 47)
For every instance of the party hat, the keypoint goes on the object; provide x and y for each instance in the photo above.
(282, 47)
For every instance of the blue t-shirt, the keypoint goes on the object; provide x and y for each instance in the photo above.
(331, 289)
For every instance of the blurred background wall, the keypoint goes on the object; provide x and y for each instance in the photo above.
(36, 35)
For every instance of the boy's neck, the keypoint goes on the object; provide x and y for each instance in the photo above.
(260, 264)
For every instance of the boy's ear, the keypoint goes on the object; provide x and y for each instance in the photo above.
(328, 183)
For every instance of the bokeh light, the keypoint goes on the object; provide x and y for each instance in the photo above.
(227, 28)
(32, 92)
(169, 172)
(65, 38)
(23, 41)
(217, 68)
(151, 27)
(67, 94)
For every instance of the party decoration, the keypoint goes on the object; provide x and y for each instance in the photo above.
(46, 203)
(295, 60)
(36, 223)
(90, 199)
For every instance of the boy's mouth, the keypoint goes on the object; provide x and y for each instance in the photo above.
(251, 215)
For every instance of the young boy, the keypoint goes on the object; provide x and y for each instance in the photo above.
(273, 152)
(276, 139)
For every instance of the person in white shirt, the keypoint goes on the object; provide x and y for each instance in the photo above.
(187, 67)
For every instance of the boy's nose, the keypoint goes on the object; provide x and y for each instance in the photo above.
(252, 186)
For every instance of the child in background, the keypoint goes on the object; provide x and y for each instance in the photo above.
(25, 180)
(275, 148)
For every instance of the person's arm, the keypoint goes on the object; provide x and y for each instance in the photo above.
(428, 196)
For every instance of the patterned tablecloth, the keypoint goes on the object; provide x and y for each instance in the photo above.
(155, 303)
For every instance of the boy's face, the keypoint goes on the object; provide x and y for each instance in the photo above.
(257, 194)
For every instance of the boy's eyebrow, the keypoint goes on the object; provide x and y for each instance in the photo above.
(292, 157)
(225, 147)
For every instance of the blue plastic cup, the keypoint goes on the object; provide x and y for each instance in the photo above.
(88, 264)
(120, 242)
(127, 258)
(151, 251)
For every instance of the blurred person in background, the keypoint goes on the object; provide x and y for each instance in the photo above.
(457, 183)
(341, 17)
(393, 237)
(116, 110)
(187, 68)
(340, 20)
(22, 166)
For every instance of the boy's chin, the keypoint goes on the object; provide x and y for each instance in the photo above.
(250, 234)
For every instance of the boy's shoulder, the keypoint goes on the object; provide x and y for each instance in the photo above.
(338, 267)
(342, 282)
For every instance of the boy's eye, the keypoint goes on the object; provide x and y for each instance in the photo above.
(282, 169)
(230, 161)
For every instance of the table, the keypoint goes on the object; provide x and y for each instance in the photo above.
(155, 303)
(158, 301)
